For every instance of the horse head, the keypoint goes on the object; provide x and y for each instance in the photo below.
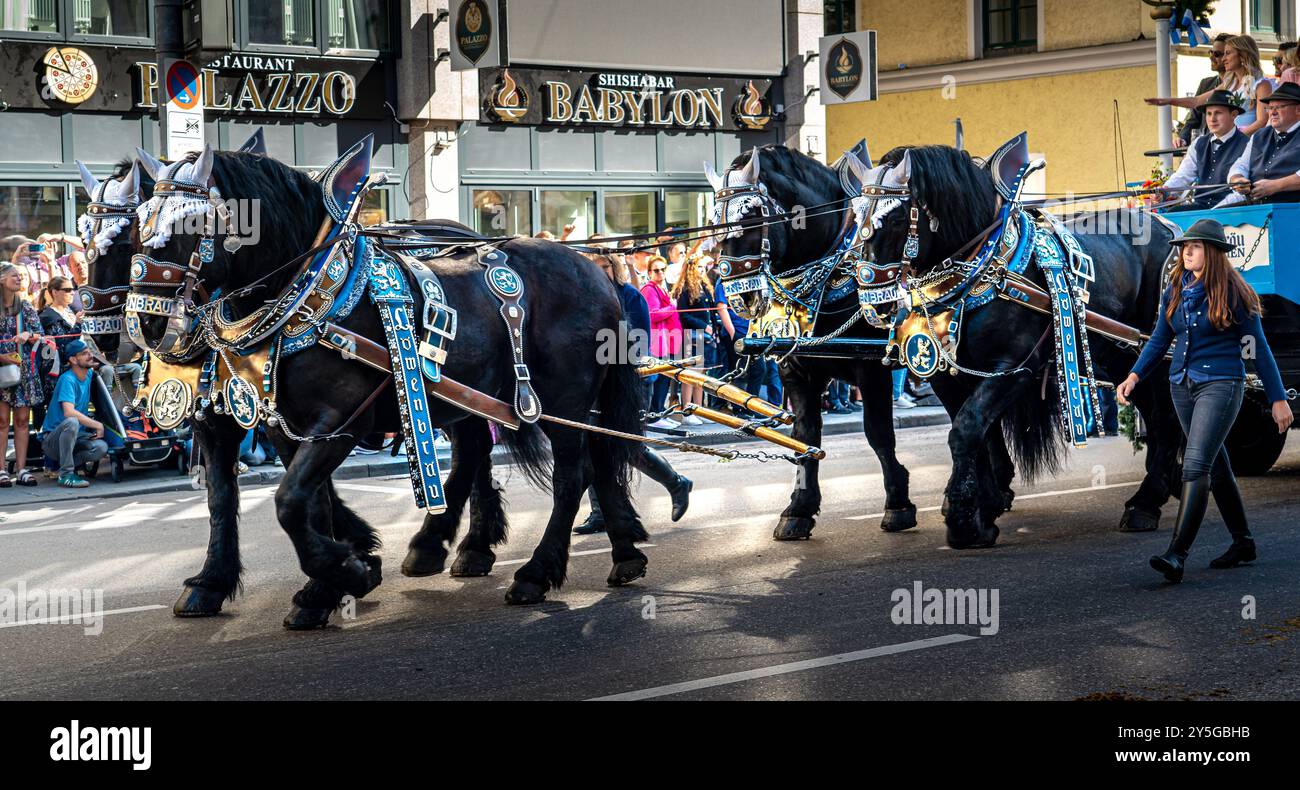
(785, 204)
(105, 229)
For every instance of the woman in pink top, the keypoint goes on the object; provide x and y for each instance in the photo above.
(665, 327)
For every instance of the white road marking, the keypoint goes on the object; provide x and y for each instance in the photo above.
(80, 618)
(784, 669)
(605, 550)
(1019, 497)
(372, 489)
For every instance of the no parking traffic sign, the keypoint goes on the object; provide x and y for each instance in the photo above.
(183, 84)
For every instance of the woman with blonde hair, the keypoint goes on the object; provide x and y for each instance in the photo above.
(1208, 312)
(694, 300)
(19, 326)
(1243, 77)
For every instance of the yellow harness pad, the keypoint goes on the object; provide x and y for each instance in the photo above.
(167, 395)
(778, 321)
(916, 343)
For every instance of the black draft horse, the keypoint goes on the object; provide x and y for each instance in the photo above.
(958, 197)
(337, 554)
(219, 579)
(796, 181)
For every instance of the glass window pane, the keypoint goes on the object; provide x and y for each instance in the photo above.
(999, 28)
(501, 212)
(278, 136)
(33, 137)
(1028, 22)
(629, 212)
(30, 210)
(102, 139)
(374, 208)
(629, 152)
(356, 24)
(282, 22)
(29, 15)
(687, 153)
(569, 207)
(486, 148)
(687, 209)
(111, 17)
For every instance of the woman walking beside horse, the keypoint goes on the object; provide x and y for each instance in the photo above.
(1207, 313)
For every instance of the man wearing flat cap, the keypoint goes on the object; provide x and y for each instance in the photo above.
(1268, 171)
(71, 436)
(1210, 157)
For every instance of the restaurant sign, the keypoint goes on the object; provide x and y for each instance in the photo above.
(572, 98)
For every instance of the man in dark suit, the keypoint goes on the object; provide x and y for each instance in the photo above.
(1194, 123)
(1211, 155)
(1268, 171)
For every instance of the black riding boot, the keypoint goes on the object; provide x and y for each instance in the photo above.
(657, 468)
(1191, 510)
(596, 521)
(1228, 498)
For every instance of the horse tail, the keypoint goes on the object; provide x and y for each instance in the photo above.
(530, 453)
(1032, 427)
(619, 409)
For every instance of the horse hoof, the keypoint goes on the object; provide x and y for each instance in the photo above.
(982, 537)
(1135, 520)
(304, 618)
(473, 563)
(1008, 496)
(375, 564)
(198, 602)
(352, 576)
(524, 593)
(899, 519)
(793, 528)
(626, 572)
(424, 562)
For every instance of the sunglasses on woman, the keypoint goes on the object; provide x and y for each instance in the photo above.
(66, 290)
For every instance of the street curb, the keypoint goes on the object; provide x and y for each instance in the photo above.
(386, 466)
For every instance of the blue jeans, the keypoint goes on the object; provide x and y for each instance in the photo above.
(1207, 412)
(900, 378)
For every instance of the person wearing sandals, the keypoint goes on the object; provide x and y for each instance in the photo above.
(71, 436)
(1207, 313)
(19, 327)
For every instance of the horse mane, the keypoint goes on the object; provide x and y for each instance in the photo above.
(792, 177)
(123, 167)
(953, 189)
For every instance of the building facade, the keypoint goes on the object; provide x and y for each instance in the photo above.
(1073, 73)
(79, 81)
(603, 114)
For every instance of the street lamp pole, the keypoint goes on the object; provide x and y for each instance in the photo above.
(1162, 13)
(169, 43)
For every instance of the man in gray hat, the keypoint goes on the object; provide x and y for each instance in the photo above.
(1210, 157)
(65, 439)
(1268, 171)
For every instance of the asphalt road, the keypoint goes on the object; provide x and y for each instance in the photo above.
(725, 612)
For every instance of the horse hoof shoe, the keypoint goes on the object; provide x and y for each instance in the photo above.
(422, 562)
(525, 593)
(472, 563)
(197, 602)
(899, 519)
(305, 619)
(793, 528)
(626, 572)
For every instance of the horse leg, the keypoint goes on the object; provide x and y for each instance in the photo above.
(487, 524)
(1002, 469)
(548, 566)
(968, 526)
(805, 393)
(622, 524)
(299, 507)
(876, 382)
(1164, 437)
(426, 554)
(218, 438)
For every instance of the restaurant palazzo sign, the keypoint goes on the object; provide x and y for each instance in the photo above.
(609, 99)
(119, 79)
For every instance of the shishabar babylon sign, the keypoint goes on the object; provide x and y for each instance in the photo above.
(623, 99)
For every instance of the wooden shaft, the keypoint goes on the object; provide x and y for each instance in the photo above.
(657, 366)
(761, 432)
(731, 394)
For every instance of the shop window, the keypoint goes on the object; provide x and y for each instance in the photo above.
(111, 18)
(282, 23)
(687, 209)
(838, 16)
(561, 208)
(356, 24)
(502, 212)
(629, 212)
(31, 210)
(29, 16)
(1010, 25)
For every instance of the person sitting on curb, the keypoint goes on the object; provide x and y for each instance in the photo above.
(65, 439)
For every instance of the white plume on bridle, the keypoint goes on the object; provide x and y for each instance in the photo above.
(175, 207)
(110, 192)
(883, 176)
(740, 207)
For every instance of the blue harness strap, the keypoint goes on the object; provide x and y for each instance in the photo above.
(1075, 390)
(389, 292)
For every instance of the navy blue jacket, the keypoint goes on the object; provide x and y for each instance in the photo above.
(635, 311)
(1203, 352)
